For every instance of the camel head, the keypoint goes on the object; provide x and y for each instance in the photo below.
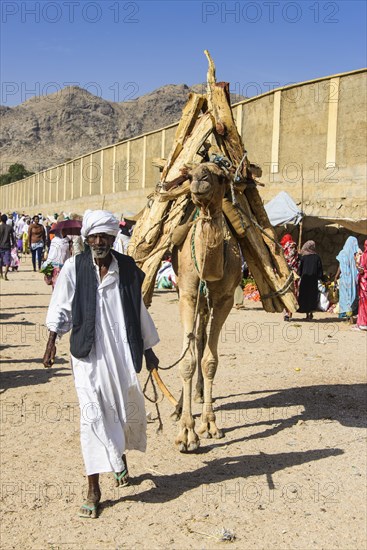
(208, 185)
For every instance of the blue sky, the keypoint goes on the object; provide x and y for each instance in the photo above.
(122, 49)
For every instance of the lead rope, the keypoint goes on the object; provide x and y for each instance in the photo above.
(155, 401)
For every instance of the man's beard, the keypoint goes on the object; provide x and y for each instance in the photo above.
(100, 252)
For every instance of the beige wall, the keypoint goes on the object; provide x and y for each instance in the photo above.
(309, 138)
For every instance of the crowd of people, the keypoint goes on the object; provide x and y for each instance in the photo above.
(48, 242)
(21, 234)
(350, 279)
(51, 243)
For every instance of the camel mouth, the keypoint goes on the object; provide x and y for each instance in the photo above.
(200, 188)
(201, 193)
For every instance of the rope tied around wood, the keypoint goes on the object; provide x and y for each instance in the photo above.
(282, 290)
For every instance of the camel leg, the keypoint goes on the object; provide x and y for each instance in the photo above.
(208, 426)
(200, 346)
(187, 439)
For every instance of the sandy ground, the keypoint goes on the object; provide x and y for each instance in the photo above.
(290, 472)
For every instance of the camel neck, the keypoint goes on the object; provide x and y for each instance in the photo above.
(213, 212)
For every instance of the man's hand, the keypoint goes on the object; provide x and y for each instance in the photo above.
(151, 359)
(50, 352)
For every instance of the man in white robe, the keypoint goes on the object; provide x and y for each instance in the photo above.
(112, 410)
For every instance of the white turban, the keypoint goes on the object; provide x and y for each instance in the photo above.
(99, 221)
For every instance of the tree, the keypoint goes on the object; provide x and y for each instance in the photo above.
(16, 172)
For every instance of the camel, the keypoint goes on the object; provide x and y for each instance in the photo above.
(208, 267)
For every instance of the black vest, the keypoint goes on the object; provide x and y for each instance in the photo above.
(85, 302)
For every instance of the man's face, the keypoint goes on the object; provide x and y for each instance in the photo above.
(36, 219)
(100, 244)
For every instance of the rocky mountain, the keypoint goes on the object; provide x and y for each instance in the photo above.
(47, 130)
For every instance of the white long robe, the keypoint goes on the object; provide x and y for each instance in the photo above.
(121, 243)
(113, 417)
(59, 251)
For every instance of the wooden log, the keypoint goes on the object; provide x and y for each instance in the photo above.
(188, 154)
(153, 237)
(152, 262)
(258, 254)
(227, 136)
(147, 231)
(186, 125)
(261, 250)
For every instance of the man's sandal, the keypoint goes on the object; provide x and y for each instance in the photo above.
(122, 478)
(92, 509)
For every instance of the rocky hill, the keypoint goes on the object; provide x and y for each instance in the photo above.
(47, 130)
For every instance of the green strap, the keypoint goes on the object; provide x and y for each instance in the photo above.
(121, 475)
(90, 508)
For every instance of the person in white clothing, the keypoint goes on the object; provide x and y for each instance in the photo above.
(98, 297)
(58, 253)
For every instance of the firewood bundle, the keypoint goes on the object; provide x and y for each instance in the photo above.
(207, 131)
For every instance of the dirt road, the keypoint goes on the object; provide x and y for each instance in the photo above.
(289, 474)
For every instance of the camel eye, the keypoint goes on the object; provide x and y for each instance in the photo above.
(189, 177)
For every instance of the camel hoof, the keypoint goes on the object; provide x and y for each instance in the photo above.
(206, 435)
(182, 447)
(218, 434)
(193, 446)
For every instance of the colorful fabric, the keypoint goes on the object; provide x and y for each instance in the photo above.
(291, 256)
(362, 290)
(14, 263)
(54, 276)
(25, 243)
(348, 278)
(286, 239)
(166, 277)
(250, 292)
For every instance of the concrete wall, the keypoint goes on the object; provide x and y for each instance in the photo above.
(309, 138)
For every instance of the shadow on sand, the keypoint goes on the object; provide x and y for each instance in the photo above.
(220, 470)
(31, 377)
(343, 403)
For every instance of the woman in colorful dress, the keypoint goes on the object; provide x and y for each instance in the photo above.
(362, 290)
(14, 261)
(292, 258)
(25, 237)
(348, 277)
